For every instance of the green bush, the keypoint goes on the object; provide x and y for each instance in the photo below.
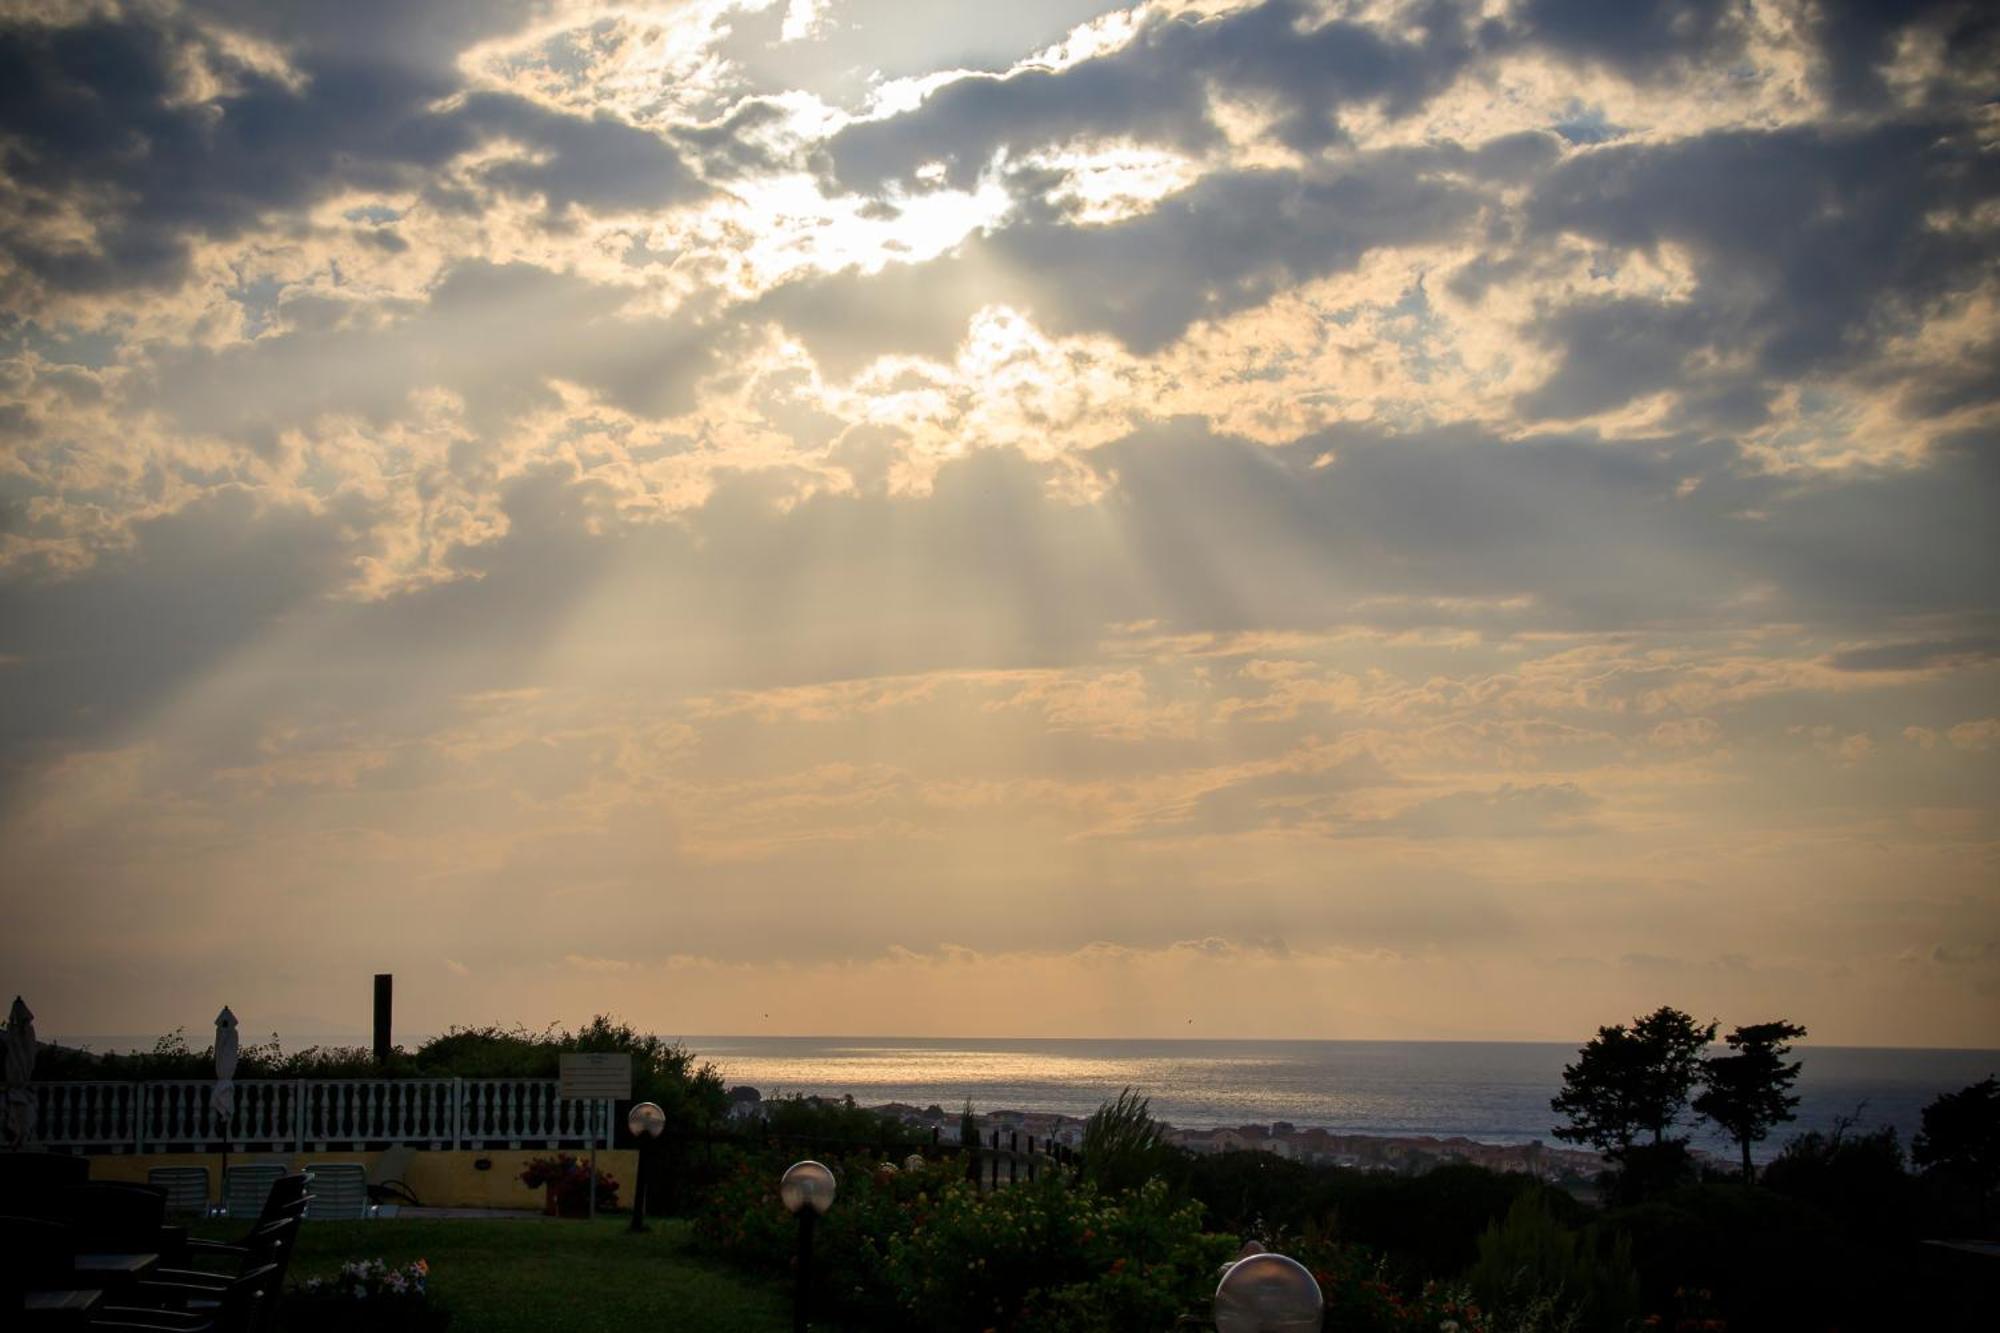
(924, 1249)
(1857, 1180)
(836, 1124)
(1364, 1295)
(1050, 1256)
(1770, 1262)
(1258, 1193)
(1532, 1261)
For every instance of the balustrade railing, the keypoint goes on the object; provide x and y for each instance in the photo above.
(308, 1114)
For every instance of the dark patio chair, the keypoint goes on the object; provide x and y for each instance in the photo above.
(190, 1298)
(271, 1243)
(288, 1198)
(245, 1305)
(28, 1176)
(35, 1255)
(119, 1216)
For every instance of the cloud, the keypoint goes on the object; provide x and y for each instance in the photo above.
(1225, 244)
(1419, 477)
(607, 966)
(1915, 655)
(1980, 735)
(1158, 88)
(126, 140)
(1859, 44)
(1509, 811)
(495, 335)
(1811, 246)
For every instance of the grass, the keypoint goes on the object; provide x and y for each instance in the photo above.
(549, 1276)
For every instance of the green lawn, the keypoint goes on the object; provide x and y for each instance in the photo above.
(499, 1276)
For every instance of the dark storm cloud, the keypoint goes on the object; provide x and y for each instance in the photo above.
(429, 35)
(1642, 39)
(1157, 89)
(1227, 243)
(1858, 39)
(1810, 246)
(92, 117)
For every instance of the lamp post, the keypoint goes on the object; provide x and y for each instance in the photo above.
(807, 1190)
(647, 1122)
(1267, 1293)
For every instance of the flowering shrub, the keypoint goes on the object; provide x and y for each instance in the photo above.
(366, 1293)
(1361, 1297)
(568, 1182)
(1052, 1256)
(922, 1248)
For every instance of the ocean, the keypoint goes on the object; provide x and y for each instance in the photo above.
(1495, 1092)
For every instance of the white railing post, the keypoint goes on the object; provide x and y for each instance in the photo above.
(139, 1118)
(457, 1114)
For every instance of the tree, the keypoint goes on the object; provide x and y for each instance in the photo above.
(1123, 1146)
(1961, 1137)
(1632, 1081)
(1750, 1091)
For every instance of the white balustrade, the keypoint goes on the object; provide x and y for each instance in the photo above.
(93, 1115)
(278, 1114)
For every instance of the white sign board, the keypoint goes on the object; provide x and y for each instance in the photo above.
(588, 1077)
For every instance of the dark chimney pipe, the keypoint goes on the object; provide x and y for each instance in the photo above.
(385, 986)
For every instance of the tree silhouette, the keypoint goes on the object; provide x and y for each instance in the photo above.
(1961, 1137)
(1632, 1081)
(1748, 1092)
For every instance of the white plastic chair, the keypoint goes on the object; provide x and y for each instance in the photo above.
(244, 1189)
(186, 1187)
(339, 1190)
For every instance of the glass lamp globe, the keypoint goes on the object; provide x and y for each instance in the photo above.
(1267, 1293)
(806, 1184)
(646, 1120)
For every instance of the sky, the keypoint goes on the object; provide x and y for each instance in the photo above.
(1375, 519)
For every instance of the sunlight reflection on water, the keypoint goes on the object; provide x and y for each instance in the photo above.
(1495, 1091)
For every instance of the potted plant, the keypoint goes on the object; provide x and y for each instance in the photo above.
(565, 1183)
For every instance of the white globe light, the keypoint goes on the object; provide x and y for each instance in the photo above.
(1266, 1293)
(646, 1120)
(807, 1184)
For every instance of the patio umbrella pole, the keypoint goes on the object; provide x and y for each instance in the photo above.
(222, 1099)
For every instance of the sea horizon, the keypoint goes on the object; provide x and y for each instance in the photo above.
(1489, 1091)
(123, 1042)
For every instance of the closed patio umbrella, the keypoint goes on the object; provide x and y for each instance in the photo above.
(20, 1061)
(222, 1099)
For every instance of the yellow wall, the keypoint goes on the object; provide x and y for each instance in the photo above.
(441, 1179)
